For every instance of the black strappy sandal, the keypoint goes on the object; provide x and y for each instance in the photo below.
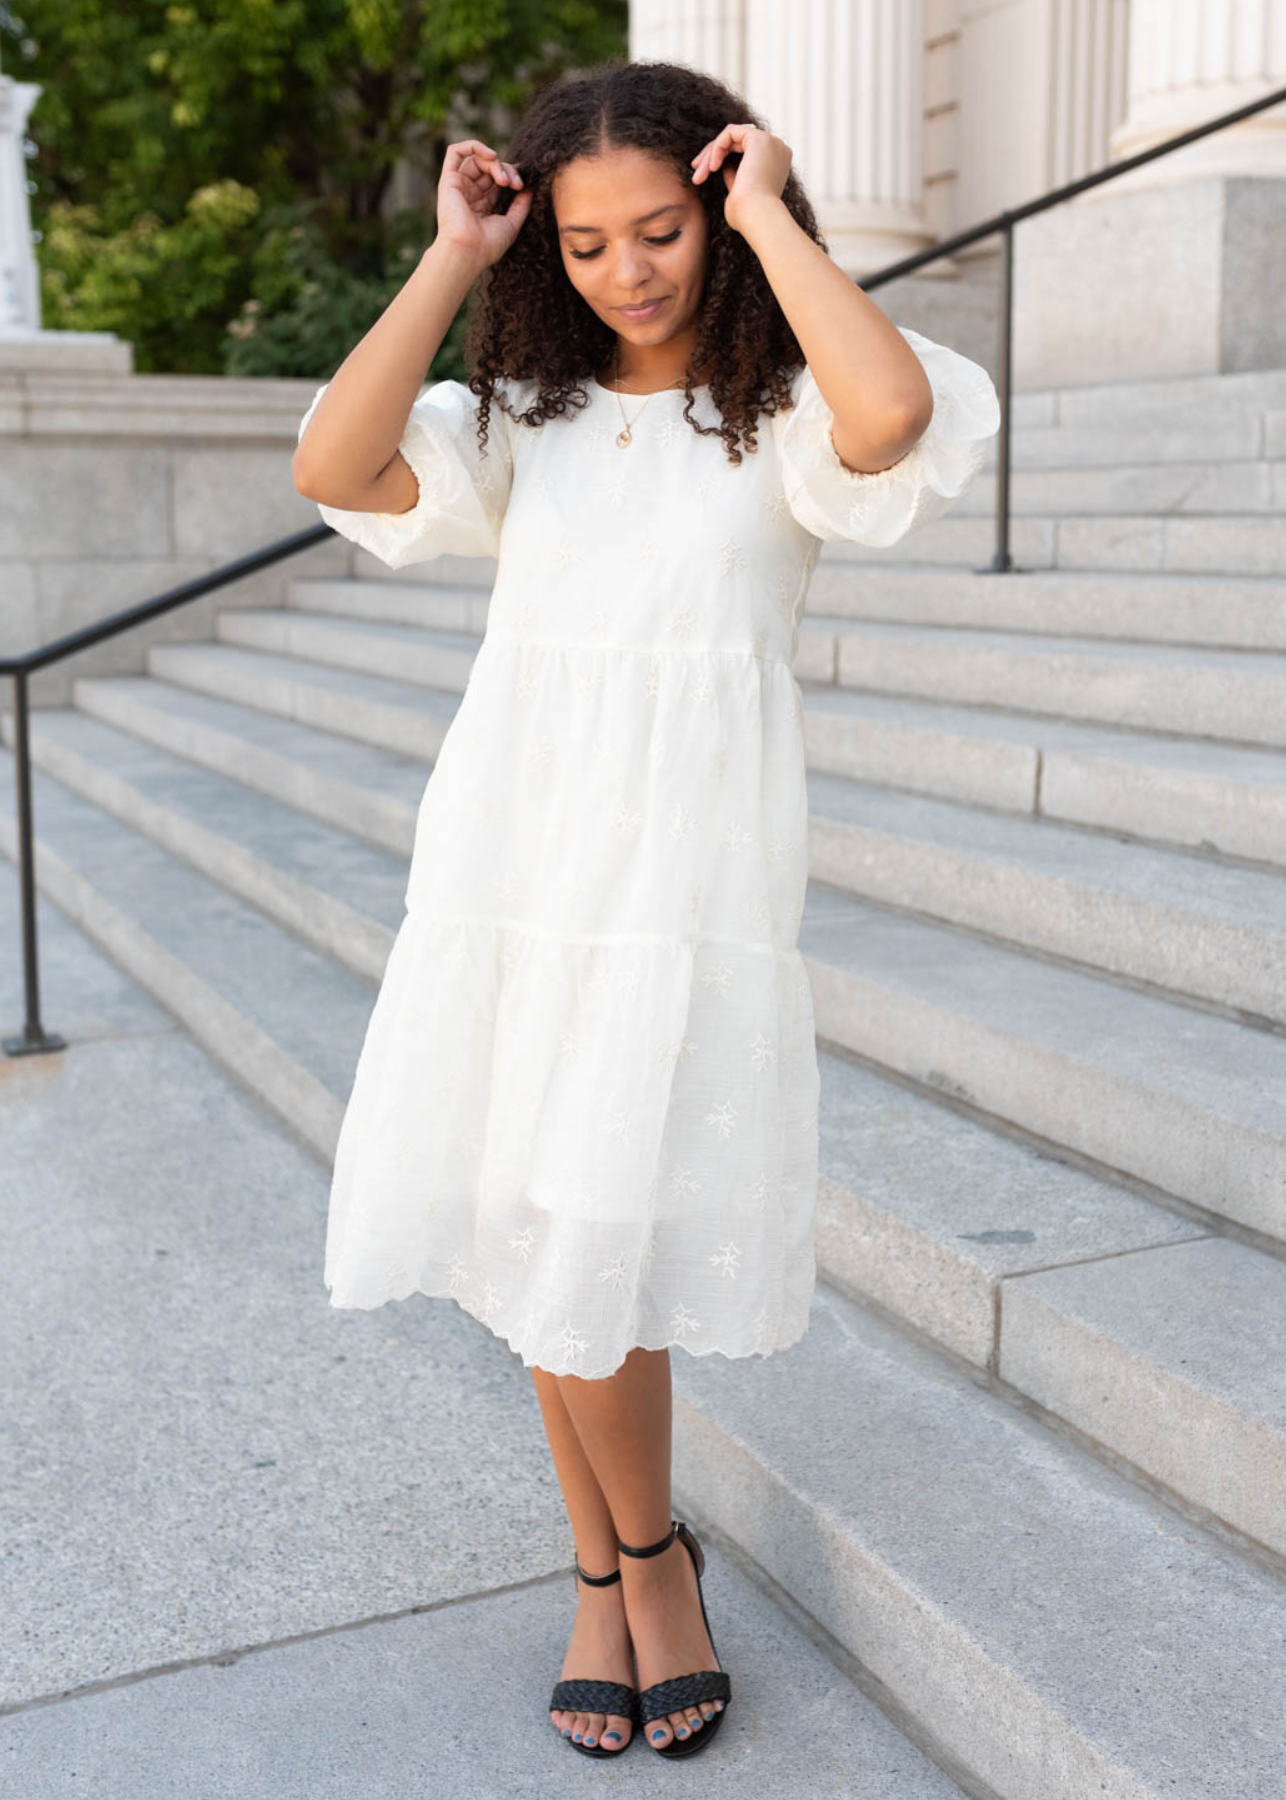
(665, 1697)
(581, 1694)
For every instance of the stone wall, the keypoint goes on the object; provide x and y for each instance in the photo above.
(115, 486)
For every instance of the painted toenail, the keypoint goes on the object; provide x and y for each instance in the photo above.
(657, 1736)
(576, 1739)
(683, 1731)
(589, 1740)
(610, 1734)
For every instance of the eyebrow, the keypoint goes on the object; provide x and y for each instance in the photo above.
(670, 206)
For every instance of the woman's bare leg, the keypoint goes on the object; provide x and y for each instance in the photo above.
(623, 1424)
(599, 1647)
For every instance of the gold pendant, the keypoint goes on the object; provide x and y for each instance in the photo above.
(623, 437)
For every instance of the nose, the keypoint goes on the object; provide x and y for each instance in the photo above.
(632, 273)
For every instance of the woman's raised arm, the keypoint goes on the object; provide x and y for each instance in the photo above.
(348, 456)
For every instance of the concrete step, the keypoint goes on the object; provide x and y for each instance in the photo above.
(1162, 1343)
(1213, 435)
(1144, 1086)
(1238, 696)
(372, 709)
(1228, 612)
(1015, 1599)
(1181, 923)
(284, 1019)
(440, 607)
(1240, 485)
(339, 894)
(440, 659)
(1186, 400)
(1188, 794)
(369, 792)
(1218, 544)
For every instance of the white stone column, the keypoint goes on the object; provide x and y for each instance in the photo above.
(843, 82)
(19, 287)
(1189, 61)
(705, 34)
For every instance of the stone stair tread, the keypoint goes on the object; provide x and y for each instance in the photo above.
(295, 618)
(1220, 1066)
(998, 1206)
(268, 665)
(305, 1002)
(1252, 899)
(1187, 607)
(1048, 1593)
(348, 759)
(1265, 663)
(304, 849)
(1232, 433)
(1209, 1312)
(1233, 487)
(1158, 396)
(1196, 756)
(1160, 1339)
(1221, 542)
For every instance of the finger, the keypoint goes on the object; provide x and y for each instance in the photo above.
(471, 157)
(464, 148)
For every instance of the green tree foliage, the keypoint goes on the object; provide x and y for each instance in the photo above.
(213, 179)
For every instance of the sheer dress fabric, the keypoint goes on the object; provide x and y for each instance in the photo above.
(586, 1102)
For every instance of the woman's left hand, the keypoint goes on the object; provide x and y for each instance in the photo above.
(764, 166)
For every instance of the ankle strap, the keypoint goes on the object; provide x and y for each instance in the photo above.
(598, 1580)
(652, 1549)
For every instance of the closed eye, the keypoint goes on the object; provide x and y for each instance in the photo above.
(584, 255)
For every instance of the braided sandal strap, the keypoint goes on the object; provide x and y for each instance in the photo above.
(581, 1694)
(683, 1690)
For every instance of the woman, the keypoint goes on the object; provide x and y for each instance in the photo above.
(586, 1104)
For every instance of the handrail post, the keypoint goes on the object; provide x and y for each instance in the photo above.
(1001, 562)
(35, 1039)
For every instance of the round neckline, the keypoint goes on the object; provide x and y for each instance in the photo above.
(616, 393)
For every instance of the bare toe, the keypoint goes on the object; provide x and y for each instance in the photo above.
(616, 1731)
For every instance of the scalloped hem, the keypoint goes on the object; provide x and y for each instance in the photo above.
(788, 1335)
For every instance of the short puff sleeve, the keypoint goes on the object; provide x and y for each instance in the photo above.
(463, 494)
(837, 503)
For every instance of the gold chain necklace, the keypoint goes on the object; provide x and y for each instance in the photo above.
(625, 436)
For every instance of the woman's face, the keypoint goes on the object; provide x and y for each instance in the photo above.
(630, 230)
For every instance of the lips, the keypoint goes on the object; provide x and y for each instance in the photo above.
(646, 310)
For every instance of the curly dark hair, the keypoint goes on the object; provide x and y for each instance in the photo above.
(526, 322)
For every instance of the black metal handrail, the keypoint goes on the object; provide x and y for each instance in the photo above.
(34, 1037)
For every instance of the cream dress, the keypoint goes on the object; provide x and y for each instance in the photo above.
(586, 1102)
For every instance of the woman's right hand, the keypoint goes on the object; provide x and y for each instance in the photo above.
(468, 189)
